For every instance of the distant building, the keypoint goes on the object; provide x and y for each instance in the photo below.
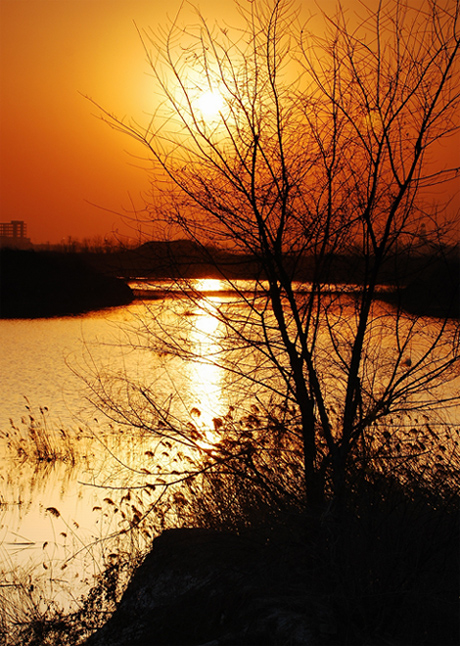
(14, 234)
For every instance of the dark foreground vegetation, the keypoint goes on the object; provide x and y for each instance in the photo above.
(241, 566)
(383, 572)
(41, 284)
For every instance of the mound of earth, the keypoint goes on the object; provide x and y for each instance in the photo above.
(206, 587)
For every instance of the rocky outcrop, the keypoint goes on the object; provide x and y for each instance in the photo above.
(41, 284)
(206, 587)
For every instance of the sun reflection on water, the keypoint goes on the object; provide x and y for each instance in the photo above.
(206, 373)
(208, 285)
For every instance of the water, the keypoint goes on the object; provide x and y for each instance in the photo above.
(55, 518)
(42, 361)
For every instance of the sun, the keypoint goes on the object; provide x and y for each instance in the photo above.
(210, 104)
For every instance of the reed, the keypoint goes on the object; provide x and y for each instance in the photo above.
(383, 571)
(38, 439)
(29, 616)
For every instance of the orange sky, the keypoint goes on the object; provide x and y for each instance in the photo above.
(57, 159)
(56, 156)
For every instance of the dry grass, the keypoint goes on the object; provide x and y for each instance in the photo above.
(36, 439)
(384, 571)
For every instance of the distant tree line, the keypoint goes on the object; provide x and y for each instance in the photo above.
(42, 284)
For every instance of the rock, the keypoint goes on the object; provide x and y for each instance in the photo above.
(211, 588)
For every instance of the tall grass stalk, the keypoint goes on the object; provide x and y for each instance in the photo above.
(29, 616)
(37, 439)
(384, 571)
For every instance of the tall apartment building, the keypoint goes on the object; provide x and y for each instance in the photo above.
(14, 234)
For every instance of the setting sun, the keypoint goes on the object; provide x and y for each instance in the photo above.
(210, 104)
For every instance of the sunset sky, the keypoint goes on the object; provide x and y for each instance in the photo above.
(63, 171)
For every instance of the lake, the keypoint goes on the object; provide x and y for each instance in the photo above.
(56, 517)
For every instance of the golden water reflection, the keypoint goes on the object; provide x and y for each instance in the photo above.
(32, 363)
(205, 371)
(209, 285)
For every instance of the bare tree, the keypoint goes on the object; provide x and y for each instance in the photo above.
(312, 155)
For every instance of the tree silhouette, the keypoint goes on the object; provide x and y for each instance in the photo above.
(314, 165)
